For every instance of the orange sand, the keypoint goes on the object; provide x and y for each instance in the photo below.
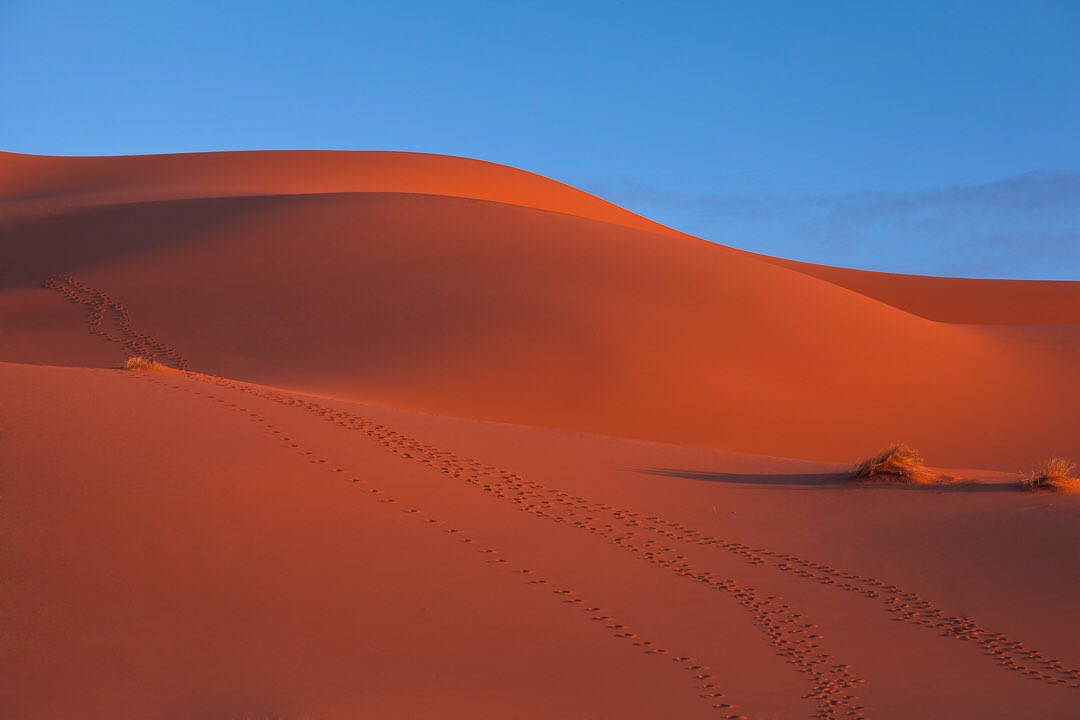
(354, 537)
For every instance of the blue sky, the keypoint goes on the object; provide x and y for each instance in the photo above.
(932, 137)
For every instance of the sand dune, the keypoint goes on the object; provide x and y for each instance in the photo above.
(310, 513)
(31, 184)
(491, 309)
(959, 300)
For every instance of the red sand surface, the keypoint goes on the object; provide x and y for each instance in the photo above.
(449, 439)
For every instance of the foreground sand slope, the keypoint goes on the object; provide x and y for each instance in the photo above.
(186, 546)
(566, 312)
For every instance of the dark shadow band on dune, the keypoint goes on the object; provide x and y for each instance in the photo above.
(824, 481)
(829, 479)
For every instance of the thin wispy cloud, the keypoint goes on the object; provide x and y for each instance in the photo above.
(1023, 226)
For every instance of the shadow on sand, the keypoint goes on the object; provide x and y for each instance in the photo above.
(828, 481)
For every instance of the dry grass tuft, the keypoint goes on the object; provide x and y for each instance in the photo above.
(138, 362)
(1055, 474)
(898, 463)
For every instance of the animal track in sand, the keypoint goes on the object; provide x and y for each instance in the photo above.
(831, 682)
(650, 537)
(624, 525)
(102, 307)
(704, 683)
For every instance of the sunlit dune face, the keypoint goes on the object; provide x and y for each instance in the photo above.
(44, 183)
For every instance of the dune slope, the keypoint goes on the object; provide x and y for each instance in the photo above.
(181, 545)
(35, 185)
(490, 309)
(958, 300)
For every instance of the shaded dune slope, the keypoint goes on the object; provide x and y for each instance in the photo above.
(467, 289)
(958, 300)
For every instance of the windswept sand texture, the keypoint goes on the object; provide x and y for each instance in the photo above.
(440, 438)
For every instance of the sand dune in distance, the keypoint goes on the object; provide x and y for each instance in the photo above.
(475, 305)
(443, 438)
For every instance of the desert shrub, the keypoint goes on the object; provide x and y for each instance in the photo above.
(897, 463)
(138, 362)
(1054, 474)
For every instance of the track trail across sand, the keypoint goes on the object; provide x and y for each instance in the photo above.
(662, 543)
(703, 679)
(102, 308)
(701, 675)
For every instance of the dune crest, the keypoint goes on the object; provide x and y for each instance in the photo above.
(34, 184)
(958, 300)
